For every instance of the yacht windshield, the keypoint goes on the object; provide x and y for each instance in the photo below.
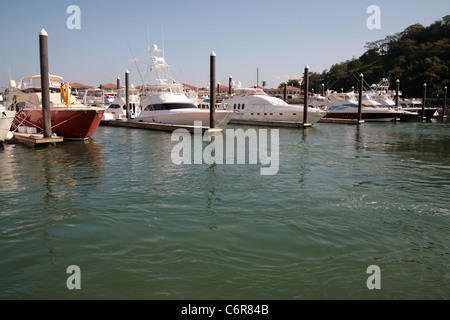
(169, 106)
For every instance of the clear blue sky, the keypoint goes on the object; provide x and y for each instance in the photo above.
(277, 37)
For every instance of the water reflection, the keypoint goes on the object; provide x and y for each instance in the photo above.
(40, 186)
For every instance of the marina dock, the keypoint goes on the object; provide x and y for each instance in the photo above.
(153, 126)
(286, 124)
(35, 139)
(341, 121)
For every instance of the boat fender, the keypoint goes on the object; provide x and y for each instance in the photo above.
(67, 94)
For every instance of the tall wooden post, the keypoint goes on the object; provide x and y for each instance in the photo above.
(397, 92)
(285, 92)
(361, 88)
(424, 101)
(212, 94)
(118, 83)
(229, 85)
(45, 83)
(127, 93)
(445, 103)
(306, 102)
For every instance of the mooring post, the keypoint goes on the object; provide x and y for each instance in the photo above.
(118, 83)
(397, 90)
(285, 92)
(229, 85)
(361, 87)
(127, 92)
(445, 103)
(424, 101)
(323, 89)
(305, 105)
(212, 94)
(45, 83)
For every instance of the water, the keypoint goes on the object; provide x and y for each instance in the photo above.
(139, 227)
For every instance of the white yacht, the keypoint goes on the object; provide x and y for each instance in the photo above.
(253, 104)
(117, 110)
(166, 101)
(6, 120)
(345, 106)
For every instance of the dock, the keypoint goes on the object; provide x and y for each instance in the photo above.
(342, 121)
(154, 126)
(35, 139)
(286, 124)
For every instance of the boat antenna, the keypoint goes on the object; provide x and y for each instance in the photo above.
(162, 40)
(148, 38)
(134, 60)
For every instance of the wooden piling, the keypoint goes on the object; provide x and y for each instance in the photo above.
(397, 92)
(361, 87)
(229, 85)
(306, 102)
(445, 103)
(285, 92)
(45, 83)
(424, 98)
(118, 83)
(212, 94)
(127, 93)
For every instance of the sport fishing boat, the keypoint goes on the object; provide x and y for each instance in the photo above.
(6, 120)
(345, 106)
(253, 104)
(69, 117)
(166, 101)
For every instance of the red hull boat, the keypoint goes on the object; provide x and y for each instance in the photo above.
(69, 117)
(70, 123)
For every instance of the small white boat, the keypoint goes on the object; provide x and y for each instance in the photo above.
(6, 120)
(117, 110)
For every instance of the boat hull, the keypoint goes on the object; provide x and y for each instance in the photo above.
(277, 116)
(185, 117)
(70, 123)
(6, 120)
(366, 116)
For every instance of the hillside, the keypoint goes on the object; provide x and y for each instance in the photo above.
(416, 56)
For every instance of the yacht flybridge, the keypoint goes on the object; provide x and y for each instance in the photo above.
(166, 102)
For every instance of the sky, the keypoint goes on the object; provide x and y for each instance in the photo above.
(271, 41)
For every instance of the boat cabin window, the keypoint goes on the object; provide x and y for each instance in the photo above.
(243, 106)
(169, 106)
(114, 106)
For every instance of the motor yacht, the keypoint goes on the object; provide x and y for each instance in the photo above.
(253, 104)
(345, 106)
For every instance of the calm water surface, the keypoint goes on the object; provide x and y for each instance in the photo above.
(140, 227)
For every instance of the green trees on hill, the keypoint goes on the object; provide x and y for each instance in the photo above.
(416, 56)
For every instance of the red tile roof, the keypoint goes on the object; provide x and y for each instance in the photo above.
(77, 85)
